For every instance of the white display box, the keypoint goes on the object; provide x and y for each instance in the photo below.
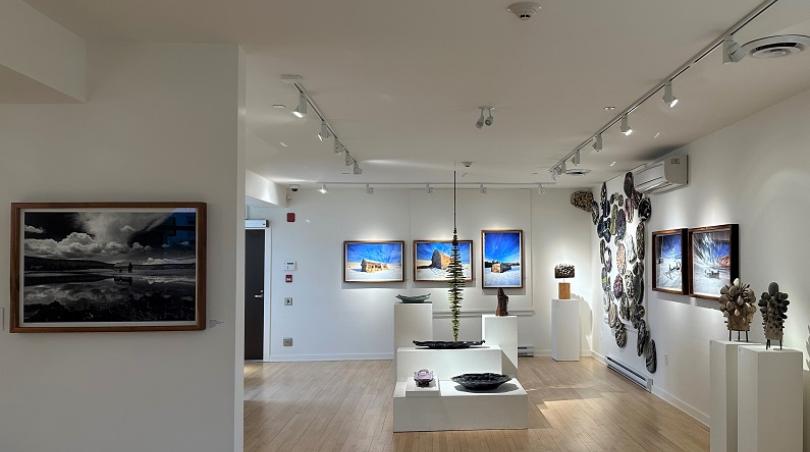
(565, 330)
(505, 408)
(503, 332)
(412, 322)
(723, 383)
(411, 390)
(447, 363)
(770, 399)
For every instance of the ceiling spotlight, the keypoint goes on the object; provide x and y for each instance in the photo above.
(731, 51)
(609, 108)
(324, 133)
(540, 189)
(428, 189)
(597, 143)
(347, 158)
(562, 168)
(279, 106)
(323, 189)
(612, 164)
(339, 146)
(480, 123)
(490, 118)
(577, 158)
(626, 130)
(369, 189)
(301, 110)
(356, 168)
(483, 189)
(669, 99)
(283, 144)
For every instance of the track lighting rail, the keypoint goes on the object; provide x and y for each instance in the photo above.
(717, 42)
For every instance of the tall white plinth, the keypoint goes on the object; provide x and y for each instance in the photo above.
(723, 383)
(565, 330)
(770, 398)
(412, 322)
(503, 332)
(457, 409)
(448, 363)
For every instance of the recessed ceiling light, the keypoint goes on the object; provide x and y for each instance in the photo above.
(612, 164)
(609, 108)
(657, 134)
(283, 144)
(279, 106)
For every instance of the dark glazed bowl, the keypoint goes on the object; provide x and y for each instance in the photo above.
(481, 382)
(447, 344)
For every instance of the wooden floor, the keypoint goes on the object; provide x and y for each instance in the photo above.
(347, 406)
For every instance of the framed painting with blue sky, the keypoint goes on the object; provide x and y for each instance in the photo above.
(502, 258)
(373, 261)
(670, 251)
(432, 257)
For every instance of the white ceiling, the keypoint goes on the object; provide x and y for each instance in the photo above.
(401, 81)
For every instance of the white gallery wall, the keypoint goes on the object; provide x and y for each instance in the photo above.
(330, 319)
(755, 173)
(161, 124)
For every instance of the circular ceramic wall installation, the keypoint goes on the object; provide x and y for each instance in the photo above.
(618, 287)
(641, 243)
(621, 224)
(645, 209)
(643, 335)
(614, 219)
(621, 258)
(606, 280)
(650, 355)
(621, 336)
(628, 207)
(629, 185)
(630, 286)
(595, 213)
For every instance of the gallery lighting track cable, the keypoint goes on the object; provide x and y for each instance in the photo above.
(666, 84)
(305, 101)
(430, 186)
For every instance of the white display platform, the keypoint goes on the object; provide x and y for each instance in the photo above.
(457, 409)
(448, 363)
(565, 330)
(770, 399)
(723, 383)
(503, 332)
(412, 321)
(411, 390)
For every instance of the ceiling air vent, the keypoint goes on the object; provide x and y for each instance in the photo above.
(776, 46)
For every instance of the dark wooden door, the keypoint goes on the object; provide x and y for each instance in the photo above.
(254, 293)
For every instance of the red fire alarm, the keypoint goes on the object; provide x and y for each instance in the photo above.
(290, 217)
(288, 278)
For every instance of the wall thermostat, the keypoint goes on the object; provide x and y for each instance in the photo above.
(290, 266)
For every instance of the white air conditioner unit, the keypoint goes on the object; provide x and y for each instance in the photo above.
(664, 175)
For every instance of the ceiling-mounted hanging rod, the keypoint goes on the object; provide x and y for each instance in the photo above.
(753, 14)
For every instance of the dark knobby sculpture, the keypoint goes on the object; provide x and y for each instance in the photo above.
(737, 305)
(774, 305)
(503, 301)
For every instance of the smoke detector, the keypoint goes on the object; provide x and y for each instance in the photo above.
(776, 46)
(577, 171)
(524, 10)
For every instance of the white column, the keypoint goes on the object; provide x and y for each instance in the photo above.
(723, 379)
(565, 330)
(770, 399)
(503, 332)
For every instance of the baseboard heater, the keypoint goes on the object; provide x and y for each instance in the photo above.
(526, 351)
(630, 374)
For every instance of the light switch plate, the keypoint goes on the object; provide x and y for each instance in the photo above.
(287, 341)
(288, 301)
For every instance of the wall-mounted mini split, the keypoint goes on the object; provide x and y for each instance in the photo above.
(486, 118)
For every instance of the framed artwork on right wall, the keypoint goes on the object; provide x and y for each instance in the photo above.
(670, 252)
(714, 259)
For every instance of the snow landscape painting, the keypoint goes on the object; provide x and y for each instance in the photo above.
(668, 251)
(432, 258)
(502, 256)
(373, 262)
(714, 259)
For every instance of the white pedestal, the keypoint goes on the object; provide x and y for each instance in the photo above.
(447, 363)
(565, 330)
(770, 398)
(412, 322)
(723, 383)
(504, 408)
(432, 390)
(503, 332)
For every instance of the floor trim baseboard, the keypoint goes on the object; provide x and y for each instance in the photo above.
(693, 412)
(331, 357)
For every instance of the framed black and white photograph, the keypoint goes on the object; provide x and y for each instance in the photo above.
(88, 267)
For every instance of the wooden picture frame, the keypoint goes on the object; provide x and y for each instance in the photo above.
(703, 286)
(378, 270)
(501, 251)
(682, 260)
(462, 244)
(86, 260)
